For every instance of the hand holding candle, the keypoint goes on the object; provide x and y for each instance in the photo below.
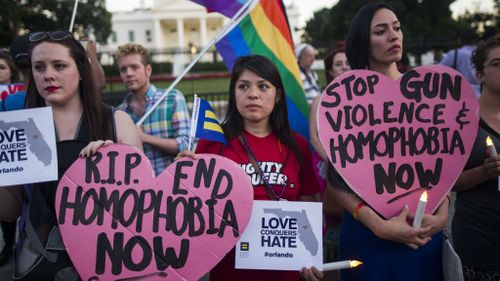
(492, 151)
(419, 214)
(341, 265)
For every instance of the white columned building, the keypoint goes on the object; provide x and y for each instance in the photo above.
(174, 26)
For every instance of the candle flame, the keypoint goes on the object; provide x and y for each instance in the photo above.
(354, 263)
(489, 142)
(423, 197)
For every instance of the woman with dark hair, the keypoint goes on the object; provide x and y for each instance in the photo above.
(8, 70)
(8, 75)
(256, 126)
(390, 249)
(476, 231)
(61, 78)
(335, 64)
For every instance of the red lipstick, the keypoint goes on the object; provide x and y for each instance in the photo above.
(51, 89)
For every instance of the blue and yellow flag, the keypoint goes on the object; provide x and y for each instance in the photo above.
(205, 123)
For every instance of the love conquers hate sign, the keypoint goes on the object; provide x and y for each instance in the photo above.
(391, 140)
(120, 223)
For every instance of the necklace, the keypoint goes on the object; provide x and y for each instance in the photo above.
(265, 179)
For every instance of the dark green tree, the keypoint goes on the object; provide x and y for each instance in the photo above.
(18, 16)
(482, 21)
(425, 23)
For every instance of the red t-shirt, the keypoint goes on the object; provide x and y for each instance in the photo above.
(286, 178)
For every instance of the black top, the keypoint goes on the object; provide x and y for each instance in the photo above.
(476, 225)
(42, 216)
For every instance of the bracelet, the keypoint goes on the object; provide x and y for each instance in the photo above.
(355, 212)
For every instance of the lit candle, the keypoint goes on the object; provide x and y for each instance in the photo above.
(490, 147)
(419, 214)
(341, 265)
(491, 151)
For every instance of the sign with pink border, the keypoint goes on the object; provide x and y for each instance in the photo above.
(392, 139)
(119, 222)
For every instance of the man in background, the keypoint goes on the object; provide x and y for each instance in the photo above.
(306, 54)
(166, 131)
(460, 59)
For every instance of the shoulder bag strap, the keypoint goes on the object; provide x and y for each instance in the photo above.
(455, 58)
(256, 167)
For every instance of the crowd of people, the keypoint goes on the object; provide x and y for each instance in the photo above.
(58, 71)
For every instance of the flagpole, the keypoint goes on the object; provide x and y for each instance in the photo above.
(242, 12)
(194, 119)
(73, 16)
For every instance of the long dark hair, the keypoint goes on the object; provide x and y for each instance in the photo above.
(14, 74)
(328, 62)
(358, 37)
(93, 109)
(233, 124)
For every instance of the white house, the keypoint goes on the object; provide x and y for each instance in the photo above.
(175, 25)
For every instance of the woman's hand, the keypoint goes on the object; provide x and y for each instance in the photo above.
(187, 153)
(491, 166)
(311, 274)
(93, 146)
(398, 230)
(437, 221)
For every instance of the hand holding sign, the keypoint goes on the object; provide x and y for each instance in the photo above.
(118, 221)
(391, 140)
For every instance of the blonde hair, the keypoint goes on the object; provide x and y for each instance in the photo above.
(132, 48)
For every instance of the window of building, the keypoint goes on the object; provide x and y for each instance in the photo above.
(148, 36)
(114, 39)
(131, 37)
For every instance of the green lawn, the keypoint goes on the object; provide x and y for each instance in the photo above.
(199, 86)
(188, 87)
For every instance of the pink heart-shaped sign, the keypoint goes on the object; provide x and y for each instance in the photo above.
(391, 140)
(120, 223)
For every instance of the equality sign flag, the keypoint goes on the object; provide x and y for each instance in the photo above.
(265, 31)
(119, 222)
(28, 150)
(391, 140)
(204, 123)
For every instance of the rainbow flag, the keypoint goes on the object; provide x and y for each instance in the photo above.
(225, 7)
(265, 31)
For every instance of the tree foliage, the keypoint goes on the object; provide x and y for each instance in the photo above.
(21, 16)
(483, 22)
(426, 24)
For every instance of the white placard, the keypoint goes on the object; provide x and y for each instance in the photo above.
(27, 146)
(282, 235)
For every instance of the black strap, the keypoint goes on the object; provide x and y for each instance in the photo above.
(35, 242)
(113, 125)
(455, 58)
(252, 160)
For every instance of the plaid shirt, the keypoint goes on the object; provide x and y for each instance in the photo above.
(169, 120)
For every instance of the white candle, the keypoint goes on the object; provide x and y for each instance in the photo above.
(490, 147)
(492, 151)
(419, 214)
(341, 265)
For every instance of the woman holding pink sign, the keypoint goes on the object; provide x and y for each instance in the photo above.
(476, 231)
(62, 79)
(257, 130)
(390, 249)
